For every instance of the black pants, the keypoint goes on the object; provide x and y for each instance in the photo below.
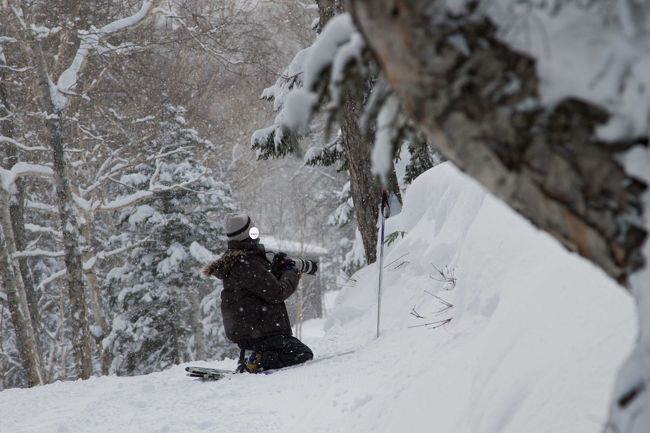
(278, 351)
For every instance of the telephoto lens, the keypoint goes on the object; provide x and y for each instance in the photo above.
(306, 266)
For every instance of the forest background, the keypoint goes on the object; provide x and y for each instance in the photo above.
(153, 141)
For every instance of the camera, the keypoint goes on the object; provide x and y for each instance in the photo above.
(281, 262)
(306, 266)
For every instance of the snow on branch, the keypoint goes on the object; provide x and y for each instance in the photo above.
(314, 79)
(51, 278)
(22, 169)
(146, 195)
(42, 32)
(38, 253)
(338, 44)
(102, 255)
(19, 145)
(111, 253)
(41, 206)
(90, 40)
(382, 153)
(127, 200)
(182, 149)
(201, 253)
(34, 228)
(89, 264)
(82, 203)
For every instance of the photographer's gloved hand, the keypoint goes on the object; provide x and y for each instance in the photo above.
(291, 266)
(281, 263)
(278, 263)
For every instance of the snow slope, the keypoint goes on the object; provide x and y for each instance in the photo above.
(536, 337)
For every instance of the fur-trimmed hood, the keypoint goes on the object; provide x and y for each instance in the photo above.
(222, 266)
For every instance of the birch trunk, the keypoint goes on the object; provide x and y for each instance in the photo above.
(197, 324)
(17, 204)
(17, 213)
(17, 300)
(94, 290)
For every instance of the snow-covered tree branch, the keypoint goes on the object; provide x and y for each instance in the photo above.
(20, 146)
(23, 169)
(89, 41)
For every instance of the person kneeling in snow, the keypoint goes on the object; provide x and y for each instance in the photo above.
(255, 287)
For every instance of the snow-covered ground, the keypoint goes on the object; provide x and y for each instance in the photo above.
(535, 340)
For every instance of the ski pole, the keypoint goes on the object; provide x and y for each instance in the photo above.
(385, 213)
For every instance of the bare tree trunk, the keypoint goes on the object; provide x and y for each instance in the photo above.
(94, 291)
(365, 191)
(81, 337)
(393, 184)
(17, 212)
(364, 187)
(98, 315)
(74, 265)
(60, 334)
(17, 300)
(196, 324)
(17, 205)
(300, 308)
(314, 296)
(16, 275)
(3, 364)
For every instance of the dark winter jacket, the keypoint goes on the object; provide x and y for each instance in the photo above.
(252, 300)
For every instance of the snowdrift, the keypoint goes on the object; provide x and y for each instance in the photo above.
(533, 344)
(537, 334)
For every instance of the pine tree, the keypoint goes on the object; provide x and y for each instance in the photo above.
(296, 101)
(421, 155)
(158, 291)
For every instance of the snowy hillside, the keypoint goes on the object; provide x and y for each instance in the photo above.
(535, 340)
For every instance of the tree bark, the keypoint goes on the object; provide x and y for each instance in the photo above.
(17, 300)
(326, 10)
(197, 324)
(481, 109)
(365, 191)
(17, 204)
(364, 187)
(94, 290)
(17, 212)
(81, 337)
